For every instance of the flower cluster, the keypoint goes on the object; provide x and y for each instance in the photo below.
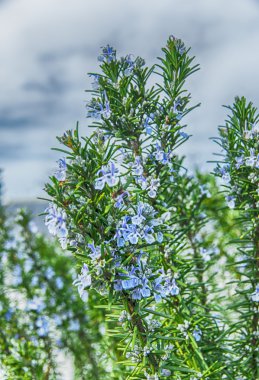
(140, 226)
(96, 109)
(108, 54)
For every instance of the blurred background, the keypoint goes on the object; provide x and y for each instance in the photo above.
(47, 47)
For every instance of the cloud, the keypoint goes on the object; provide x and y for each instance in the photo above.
(47, 47)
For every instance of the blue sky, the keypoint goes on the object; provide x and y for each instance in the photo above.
(47, 47)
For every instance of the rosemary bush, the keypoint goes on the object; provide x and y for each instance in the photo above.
(167, 259)
(42, 316)
(142, 227)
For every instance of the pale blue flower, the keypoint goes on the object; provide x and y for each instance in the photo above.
(142, 291)
(158, 288)
(175, 110)
(42, 325)
(59, 283)
(137, 167)
(17, 275)
(166, 372)
(161, 155)
(131, 280)
(230, 201)
(255, 295)
(108, 54)
(94, 109)
(118, 285)
(130, 65)
(142, 181)
(60, 174)
(28, 264)
(159, 237)
(153, 187)
(197, 334)
(36, 304)
(84, 280)
(239, 161)
(120, 200)
(74, 325)
(95, 83)
(55, 220)
(149, 235)
(251, 160)
(49, 273)
(32, 227)
(109, 176)
(106, 111)
(171, 287)
(184, 134)
(138, 218)
(9, 314)
(96, 252)
(147, 124)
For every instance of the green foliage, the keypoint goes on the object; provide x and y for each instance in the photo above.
(168, 260)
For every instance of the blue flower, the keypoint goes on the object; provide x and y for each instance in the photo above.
(142, 181)
(130, 65)
(171, 287)
(17, 275)
(137, 167)
(197, 334)
(96, 252)
(131, 280)
(108, 54)
(142, 291)
(161, 155)
(255, 295)
(55, 220)
(184, 134)
(120, 200)
(109, 176)
(230, 201)
(36, 304)
(158, 289)
(49, 273)
(251, 160)
(175, 110)
(148, 234)
(160, 237)
(117, 285)
(94, 109)
(42, 326)
(84, 280)
(138, 218)
(9, 314)
(74, 325)
(60, 174)
(106, 112)
(147, 124)
(153, 187)
(239, 161)
(95, 83)
(59, 283)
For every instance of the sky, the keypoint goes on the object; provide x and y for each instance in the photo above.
(47, 47)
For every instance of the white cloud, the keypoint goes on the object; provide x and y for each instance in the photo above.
(43, 39)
